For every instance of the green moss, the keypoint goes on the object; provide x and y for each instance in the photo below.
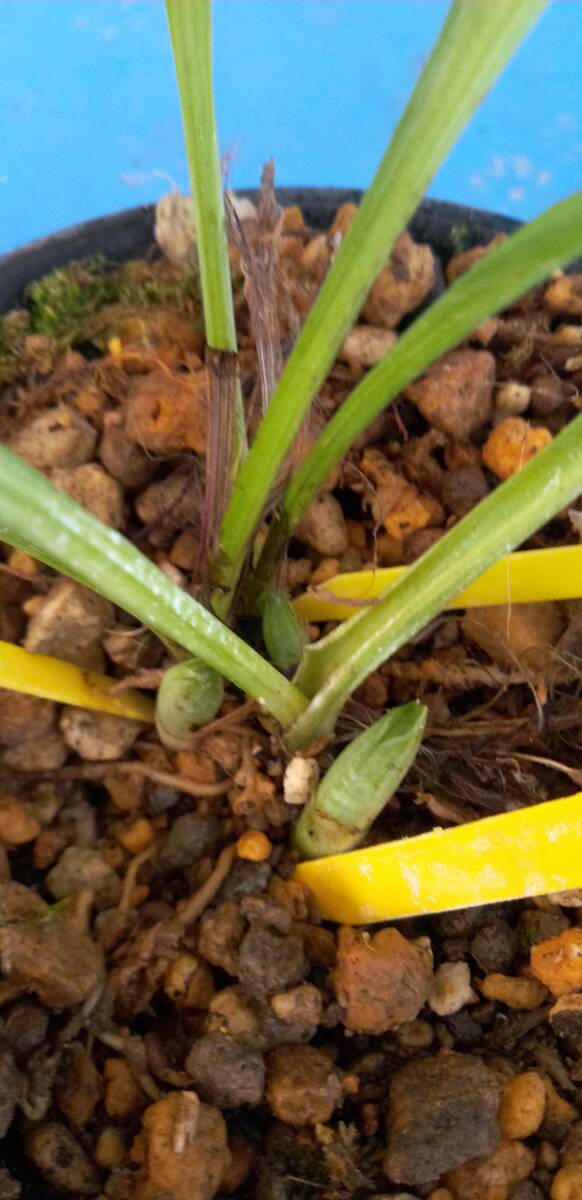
(63, 300)
(13, 330)
(64, 303)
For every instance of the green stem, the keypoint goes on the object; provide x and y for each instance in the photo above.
(333, 667)
(527, 257)
(359, 783)
(476, 42)
(36, 516)
(190, 23)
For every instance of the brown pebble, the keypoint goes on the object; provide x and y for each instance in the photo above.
(459, 263)
(97, 736)
(303, 1088)
(455, 394)
(402, 284)
(61, 1160)
(243, 1158)
(46, 753)
(547, 1156)
(123, 1096)
(571, 1148)
(24, 718)
(463, 488)
(185, 1152)
(17, 826)
(558, 1113)
(269, 961)
(226, 1072)
(567, 1183)
(515, 635)
(323, 527)
(564, 295)
(55, 437)
(92, 487)
(547, 393)
(59, 963)
(566, 1016)
(166, 412)
(220, 934)
(71, 625)
(303, 1003)
(124, 460)
(491, 1178)
(380, 980)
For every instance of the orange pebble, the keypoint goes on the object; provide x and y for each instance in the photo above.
(138, 895)
(512, 444)
(137, 836)
(253, 846)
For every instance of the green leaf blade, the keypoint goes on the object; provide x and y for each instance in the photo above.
(37, 517)
(530, 255)
(190, 24)
(333, 667)
(476, 41)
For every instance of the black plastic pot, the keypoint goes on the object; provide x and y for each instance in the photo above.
(130, 234)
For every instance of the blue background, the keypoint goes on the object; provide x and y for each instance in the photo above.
(89, 119)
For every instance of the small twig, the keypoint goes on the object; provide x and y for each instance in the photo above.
(148, 677)
(195, 906)
(165, 778)
(180, 782)
(134, 1051)
(131, 874)
(259, 260)
(221, 452)
(248, 709)
(571, 772)
(469, 675)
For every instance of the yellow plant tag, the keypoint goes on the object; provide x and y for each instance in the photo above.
(53, 679)
(528, 852)
(519, 578)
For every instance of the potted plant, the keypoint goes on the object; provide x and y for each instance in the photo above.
(184, 915)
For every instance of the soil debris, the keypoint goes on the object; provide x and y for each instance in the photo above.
(159, 966)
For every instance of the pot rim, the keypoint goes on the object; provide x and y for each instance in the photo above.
(120, 236)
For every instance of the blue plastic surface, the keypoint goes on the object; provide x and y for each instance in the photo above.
(89, 119)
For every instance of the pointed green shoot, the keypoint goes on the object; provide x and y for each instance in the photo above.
(189, 695)
(333, 667)
(284, 635)
(360, 783)
(527, 257)
(37, 517)
(476, 42)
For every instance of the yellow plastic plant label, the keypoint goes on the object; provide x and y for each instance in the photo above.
(528, 852)
(519, 578)
(53, 679)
